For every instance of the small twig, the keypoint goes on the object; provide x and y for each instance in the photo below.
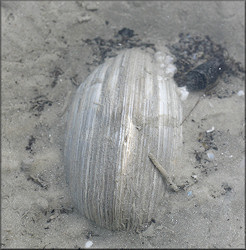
(74, 81)
(46, 245)
(37, 180)
(191, 110)
(67, 98)
(206, 92)
(164, 173)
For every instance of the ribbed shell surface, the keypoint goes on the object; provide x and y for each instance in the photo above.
(126, 108)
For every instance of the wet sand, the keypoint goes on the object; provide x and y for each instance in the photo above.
(45, 56)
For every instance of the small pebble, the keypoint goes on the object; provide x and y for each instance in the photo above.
(194, 56)
(83, 19)
(52, 217)
(210, 156)
(189, 193)
(240, 93)
(92, 6)
(210, 130)
(88, 244)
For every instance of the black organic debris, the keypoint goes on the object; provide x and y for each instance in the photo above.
(205, 75)
(31, 141)
(196, 55)
(38, 104)
(123, 39)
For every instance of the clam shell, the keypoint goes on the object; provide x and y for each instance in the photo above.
(125, 109)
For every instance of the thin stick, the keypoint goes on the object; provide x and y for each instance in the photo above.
(67, 98)
(191, 110)
(163, 172)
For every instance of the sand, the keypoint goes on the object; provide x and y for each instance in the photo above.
(45, 56)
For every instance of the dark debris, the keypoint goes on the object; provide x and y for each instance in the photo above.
(226, 188)
(123, 39)
(38, 104)
(64, 210)
(90, 234)
(31, 141)
(55, 75)
(126, 33)
(207, 140)
(37, 180)
(193, 50)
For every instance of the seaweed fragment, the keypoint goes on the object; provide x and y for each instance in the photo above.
(205, 75)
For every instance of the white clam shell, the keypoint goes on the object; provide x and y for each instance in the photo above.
(127, 108)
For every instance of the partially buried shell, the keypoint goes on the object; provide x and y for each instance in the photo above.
(127, 108)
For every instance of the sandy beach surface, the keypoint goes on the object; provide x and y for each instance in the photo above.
(48, 49)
